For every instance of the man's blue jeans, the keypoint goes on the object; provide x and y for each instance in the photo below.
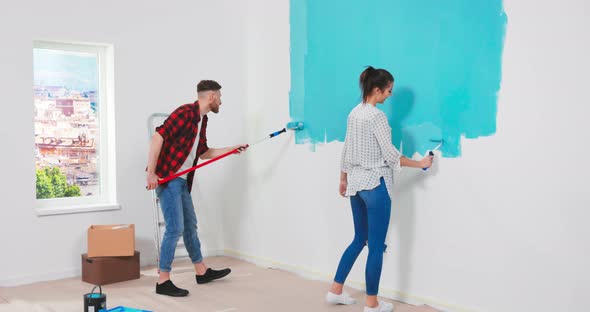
(181, 220)
(371, 210)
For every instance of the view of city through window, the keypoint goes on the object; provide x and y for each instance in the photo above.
(66, 123)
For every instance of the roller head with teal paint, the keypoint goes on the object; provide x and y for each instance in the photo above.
(295, 125)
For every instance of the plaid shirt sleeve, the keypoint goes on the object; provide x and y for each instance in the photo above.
(174, 124)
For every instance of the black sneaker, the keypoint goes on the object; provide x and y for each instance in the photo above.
(211, 275)
(169, 289)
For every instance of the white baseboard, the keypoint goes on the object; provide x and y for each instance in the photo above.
(323, 276)
(29, 279)
(213, 252)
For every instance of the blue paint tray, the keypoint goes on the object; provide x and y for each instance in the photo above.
(124, 309)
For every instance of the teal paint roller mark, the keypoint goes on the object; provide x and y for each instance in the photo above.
(431, 152)
(447, 74)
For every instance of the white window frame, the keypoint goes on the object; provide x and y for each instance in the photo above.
(107, 200)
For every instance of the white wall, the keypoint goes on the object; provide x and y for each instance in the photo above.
(162, 49)
(503, 228)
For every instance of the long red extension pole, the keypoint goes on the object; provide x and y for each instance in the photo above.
(176, 175)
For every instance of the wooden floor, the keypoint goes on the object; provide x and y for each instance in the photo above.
(247, 288)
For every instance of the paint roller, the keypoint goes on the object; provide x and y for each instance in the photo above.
(293, 125)
(431, 152)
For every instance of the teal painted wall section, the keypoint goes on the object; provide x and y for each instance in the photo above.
(446, 57)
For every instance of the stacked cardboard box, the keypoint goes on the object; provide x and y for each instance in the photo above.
(111, 254)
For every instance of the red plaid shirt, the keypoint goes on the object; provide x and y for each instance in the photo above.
(180, 131)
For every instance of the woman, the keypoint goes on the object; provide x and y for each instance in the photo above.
(368, 161)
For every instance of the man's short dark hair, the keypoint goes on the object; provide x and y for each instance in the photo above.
(208, 85)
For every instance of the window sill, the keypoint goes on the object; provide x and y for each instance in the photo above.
(76, 209)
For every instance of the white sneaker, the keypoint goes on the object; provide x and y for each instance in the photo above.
(382, 307)
(343, 298)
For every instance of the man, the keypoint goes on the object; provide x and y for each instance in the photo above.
(172, 150)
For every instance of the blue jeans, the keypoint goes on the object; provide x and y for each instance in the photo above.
(371, 210)
(181, 220)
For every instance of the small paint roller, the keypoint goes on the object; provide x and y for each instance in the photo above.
(431, 152)
(293, 125)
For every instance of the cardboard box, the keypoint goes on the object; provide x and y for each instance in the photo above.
(115, 240)
(108, 270)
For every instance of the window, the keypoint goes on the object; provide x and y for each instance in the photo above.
(74, 127)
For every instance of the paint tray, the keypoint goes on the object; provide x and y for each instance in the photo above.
(124, 309)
